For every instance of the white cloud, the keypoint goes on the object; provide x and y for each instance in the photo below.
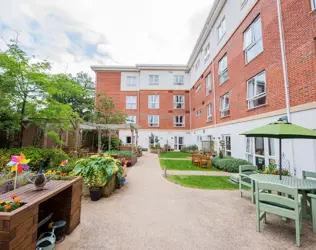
(76, 34)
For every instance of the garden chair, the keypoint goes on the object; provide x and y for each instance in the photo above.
(313, 209)
(244, 172)
(310, 176)
(290, 206)
(205, 161)
(196, 159)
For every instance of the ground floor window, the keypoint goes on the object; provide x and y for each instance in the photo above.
(227, 145)
(129, 139)
(178, 142)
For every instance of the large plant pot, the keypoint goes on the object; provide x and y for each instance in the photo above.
(95, 193)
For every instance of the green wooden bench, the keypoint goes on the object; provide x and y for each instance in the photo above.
(244, 172)
(311, 197)
(289, 205)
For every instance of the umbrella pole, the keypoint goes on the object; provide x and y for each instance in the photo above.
(280, 158)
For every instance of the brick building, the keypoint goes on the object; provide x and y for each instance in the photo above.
(237, 78)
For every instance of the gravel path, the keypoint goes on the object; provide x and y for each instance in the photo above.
(201, 173)
(152, 213)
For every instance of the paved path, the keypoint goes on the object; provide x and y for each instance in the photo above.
(152, 213)
(204, 173)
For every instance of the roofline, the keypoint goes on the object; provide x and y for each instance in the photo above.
(209, 23)
(138, 67)
(100, 68)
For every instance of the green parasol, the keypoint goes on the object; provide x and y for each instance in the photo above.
(282, 130)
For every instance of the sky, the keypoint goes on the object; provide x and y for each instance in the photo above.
(74, 34)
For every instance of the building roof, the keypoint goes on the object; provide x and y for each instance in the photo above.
(138, 67)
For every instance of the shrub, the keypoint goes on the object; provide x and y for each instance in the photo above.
(229, 164)
(221, 155)
(190, 148)
(115, 143)
(35, 155)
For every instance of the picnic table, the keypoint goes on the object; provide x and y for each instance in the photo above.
(288, 181)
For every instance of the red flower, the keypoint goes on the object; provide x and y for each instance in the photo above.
(13, 196)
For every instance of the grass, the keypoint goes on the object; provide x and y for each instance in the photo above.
(174, 155)
(182, 165)
(116, 152)
(204, 182)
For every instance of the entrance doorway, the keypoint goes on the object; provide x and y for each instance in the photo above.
(178, 143)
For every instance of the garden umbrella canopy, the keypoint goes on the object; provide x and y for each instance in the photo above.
(281, 130)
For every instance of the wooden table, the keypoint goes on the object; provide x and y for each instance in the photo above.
(18, 229)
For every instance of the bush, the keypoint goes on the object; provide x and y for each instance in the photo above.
(228, 164)
(35, 155)
(188, 149)
(115, 143)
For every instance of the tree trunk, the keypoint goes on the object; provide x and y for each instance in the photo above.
(21, 122)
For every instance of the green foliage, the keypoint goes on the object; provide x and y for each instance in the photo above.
(228, 164)
(116, 152)
(273, 169)
(221, 154)
(35, 155)
(97, 171)
(115, 143)
(183, 165)
(189, 149)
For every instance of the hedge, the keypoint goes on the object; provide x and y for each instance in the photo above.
(228, 164)
(35, 155)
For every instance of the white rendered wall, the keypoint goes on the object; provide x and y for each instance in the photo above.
(124, 86)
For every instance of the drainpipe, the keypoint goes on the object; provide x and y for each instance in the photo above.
(214, 89)
(285, 75)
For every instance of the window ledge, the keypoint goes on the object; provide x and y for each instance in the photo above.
(260, 106)
(225, 117)
(313, 11)
(209, 121)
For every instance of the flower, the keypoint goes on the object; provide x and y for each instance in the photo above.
(265, 171)
(1, 201)
(13, 196)
(8, 202)
(17, 200)
(8, 207)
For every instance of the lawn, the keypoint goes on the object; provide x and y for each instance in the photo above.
(204, 182)
(182, 165)
(174, 155)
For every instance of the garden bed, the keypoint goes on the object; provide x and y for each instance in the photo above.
(19, 228)
(107, 190)
(127, 155)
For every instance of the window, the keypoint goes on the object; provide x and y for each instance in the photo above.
(153, 79)
(228, 149)
(224, 105)
(271, 150)
(249, 149)
(313, 4)
(207, 52)
(178, 121)
(197, 64)
(198, 112)
(208, 84)
(178, 80)
(130, 102)
(199, 138)
(131, 119)
(153, 120)
(259, 152)
(128, 139)
(256, 91)
(198, 88)
(253, 45)
(221, 29)
(153, 101)
(209, 112)
(131, 80)
(178, 101)
(243, 3)
(223, 70)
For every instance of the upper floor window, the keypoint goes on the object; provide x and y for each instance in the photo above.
(209, 112)
(198, 112)
(197, 64)
(153, 120)
(207, 52)
(223, 70)
(208, 84)
(313, 4)
(243, 3)
(153, 79)
(153, 101)
(131, 119)
(221, 29)
(253, 45)
(256, 91)
(131, 102)
(198, 88)
(224, 105)
(178, 101)
(178, 80)
(179, 121)
(131, 80)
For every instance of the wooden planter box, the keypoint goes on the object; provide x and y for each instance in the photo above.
(18, 229)
(132, 158)
(108, 189)
(157, 150)
(127, 148)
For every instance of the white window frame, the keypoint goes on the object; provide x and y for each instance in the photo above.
(208, 84)
(176, 102)
(313, 4)
(154, 124)
(131, 102)
(178, 79)
(209, 111)
(207, 52)
(222, 70)
(221, 29)
(198, 113)
(131, 80)
(225, 111)
(131, 119)
(153, 101)
(225, 145)
(256, 96)
(243, 3)
(153, 79)
(198, 88)
(250, 151)
(254, 40)
(178, 124)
